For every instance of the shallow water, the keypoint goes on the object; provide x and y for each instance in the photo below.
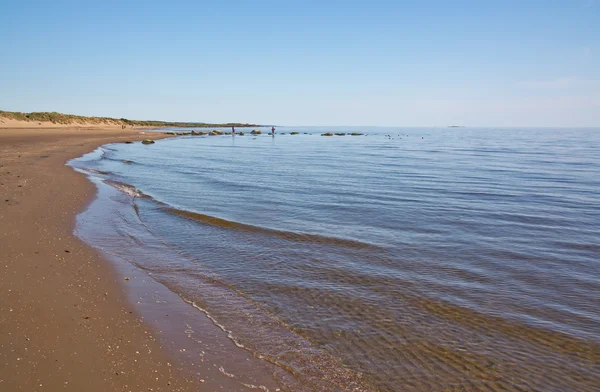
(407, 259)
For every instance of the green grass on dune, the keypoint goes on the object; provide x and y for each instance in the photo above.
(65, 119)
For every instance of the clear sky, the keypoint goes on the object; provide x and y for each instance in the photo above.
(377, 62)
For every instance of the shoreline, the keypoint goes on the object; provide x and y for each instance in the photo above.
(67, 318)
(116, 223)
(190, 335)
(453, 341)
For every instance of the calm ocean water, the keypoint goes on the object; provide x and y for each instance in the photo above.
(407, 259)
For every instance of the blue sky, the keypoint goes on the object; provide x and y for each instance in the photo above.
(423, 63)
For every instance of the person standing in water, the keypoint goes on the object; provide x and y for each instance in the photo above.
(272, 131)
(233, 131)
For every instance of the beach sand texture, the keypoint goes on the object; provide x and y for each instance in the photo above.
(65, 323)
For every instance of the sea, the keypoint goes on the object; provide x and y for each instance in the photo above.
(395, 259)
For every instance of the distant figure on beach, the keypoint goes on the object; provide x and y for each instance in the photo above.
(233, 131)
(273, 131)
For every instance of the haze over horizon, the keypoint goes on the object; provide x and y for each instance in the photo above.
(381, 63)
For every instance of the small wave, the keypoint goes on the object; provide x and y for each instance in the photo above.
(222, 327)
(126, 188)
(125, 161)
(222, 370)
(94, 171)
(252, 386)
(286, 235)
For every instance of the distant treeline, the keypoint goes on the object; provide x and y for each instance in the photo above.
(60, 118)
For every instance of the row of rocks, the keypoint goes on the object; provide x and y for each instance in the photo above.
(342, 134)
(254, 132)
(199, 133)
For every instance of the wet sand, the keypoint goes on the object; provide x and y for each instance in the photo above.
(66, 322)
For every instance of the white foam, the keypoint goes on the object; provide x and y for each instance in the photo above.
(127, 189)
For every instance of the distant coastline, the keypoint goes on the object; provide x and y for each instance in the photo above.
(55, 118)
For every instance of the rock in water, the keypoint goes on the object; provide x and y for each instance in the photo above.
(255, 132)
(147, 141)
(327, 134)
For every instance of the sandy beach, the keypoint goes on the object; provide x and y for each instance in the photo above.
(65, 323)
(386, 196)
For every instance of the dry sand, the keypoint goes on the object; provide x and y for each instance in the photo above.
(65, 323)
(8, 123)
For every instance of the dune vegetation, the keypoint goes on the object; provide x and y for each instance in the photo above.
(66, 119)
